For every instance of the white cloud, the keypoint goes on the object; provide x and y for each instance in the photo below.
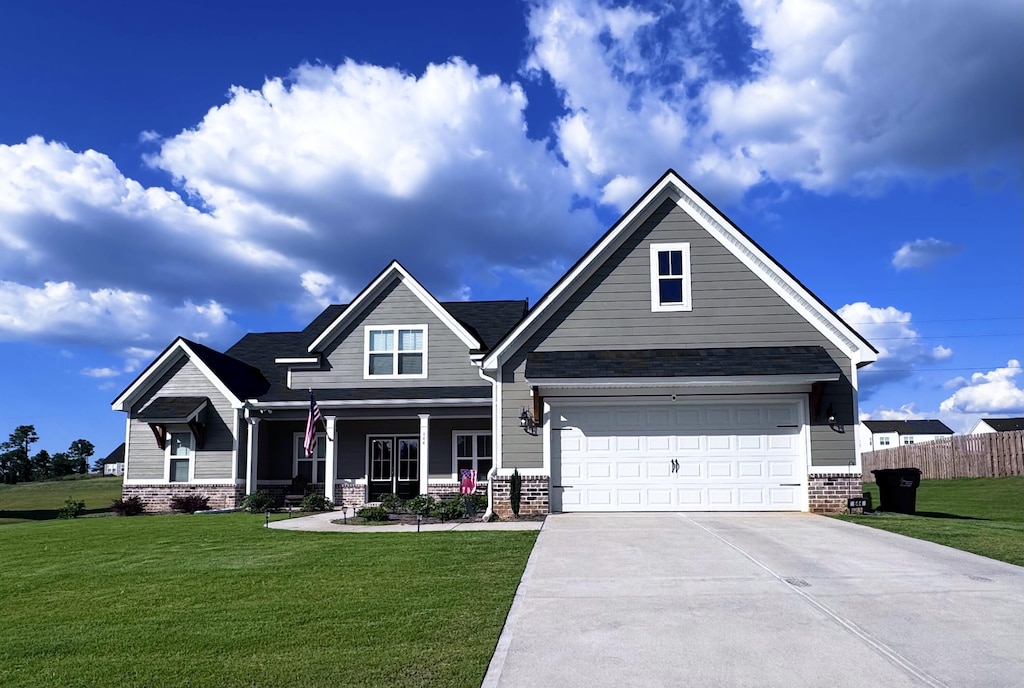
(832, 94)
(100, 372)
(922, 253)
(900, 349)
(904, 412)
(105, 317)
(993, 392)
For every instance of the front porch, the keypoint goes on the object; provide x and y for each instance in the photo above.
(365, 454)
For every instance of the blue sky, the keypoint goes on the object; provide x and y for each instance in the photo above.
(212, 168)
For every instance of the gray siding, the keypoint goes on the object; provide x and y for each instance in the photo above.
(732, 307)
(447, 356)
(214, 460)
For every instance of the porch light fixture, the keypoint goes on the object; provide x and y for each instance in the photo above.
(527, 422)
(832, 422)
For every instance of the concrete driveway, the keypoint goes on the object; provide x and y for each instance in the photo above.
(756, 600)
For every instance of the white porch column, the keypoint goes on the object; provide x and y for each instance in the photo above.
(424, 452)
(331, 425)
(251, 451)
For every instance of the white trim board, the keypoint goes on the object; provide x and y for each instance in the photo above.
(391, 272)
(671, 186)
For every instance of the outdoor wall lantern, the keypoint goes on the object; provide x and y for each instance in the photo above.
(832, 422)
(527, 422)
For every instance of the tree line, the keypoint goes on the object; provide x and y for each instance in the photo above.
(19, 465)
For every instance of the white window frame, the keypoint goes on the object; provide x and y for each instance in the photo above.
(476, 466)
(908, 440)
(299, 453)
(168, 457)
(883, 441)
(687, 303)
(395, 375)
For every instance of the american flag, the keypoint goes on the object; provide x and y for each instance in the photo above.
(312, 419)
(467, 484)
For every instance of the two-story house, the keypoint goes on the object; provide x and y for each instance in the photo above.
(675, 366)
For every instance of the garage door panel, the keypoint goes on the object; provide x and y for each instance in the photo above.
(726, 457)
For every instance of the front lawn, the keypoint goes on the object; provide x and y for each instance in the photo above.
(40, 501)
(218, 600)
(980, 515)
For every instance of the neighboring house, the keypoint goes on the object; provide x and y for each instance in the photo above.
(884, 434)
(114, 463)
(987, 425)
(676, 366)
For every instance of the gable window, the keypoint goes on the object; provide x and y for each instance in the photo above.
(399, 351)
(179, 456)
(670, 277)
(473, 451)
(314, 468)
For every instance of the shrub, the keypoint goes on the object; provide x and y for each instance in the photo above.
(479, 501)
(258, 502)
(73, 508)
(448, 509)
(392, 503)
(316, 502)
(130, 506)
(420, 506)
(190, 503)
(373, 513)
(515, 492)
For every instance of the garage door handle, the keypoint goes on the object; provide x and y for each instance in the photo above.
(789, 484)
(562, 487)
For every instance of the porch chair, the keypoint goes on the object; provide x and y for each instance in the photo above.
(296, 491)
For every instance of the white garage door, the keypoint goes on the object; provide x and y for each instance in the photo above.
(679, 457)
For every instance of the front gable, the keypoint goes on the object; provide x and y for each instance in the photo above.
(730, 292)
(394, 308)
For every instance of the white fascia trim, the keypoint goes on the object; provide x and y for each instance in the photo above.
(176, 350)
(324, 405)
(524, 329)
(774, 276)
(415, 287)
(298, 360)
(641, 382)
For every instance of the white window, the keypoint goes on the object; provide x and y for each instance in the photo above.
(179, 456)
(670, 277)
(883, 441)
(908, 439)
(472, 450)
(313, 469)
(396, 352)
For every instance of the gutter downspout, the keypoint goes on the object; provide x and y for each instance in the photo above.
(494, 466)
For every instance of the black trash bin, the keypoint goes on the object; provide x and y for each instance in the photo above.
(897, 489)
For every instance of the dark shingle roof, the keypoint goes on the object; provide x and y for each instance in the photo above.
(244, 380)
(172, 407)
(488, 321)
(259, 349)
(774, 360)
(1005, 424)
(909, 427)
(116, 456)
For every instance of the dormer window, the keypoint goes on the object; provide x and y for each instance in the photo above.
(398, 351)
(670, 277)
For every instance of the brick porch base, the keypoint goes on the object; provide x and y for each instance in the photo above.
(157, 498)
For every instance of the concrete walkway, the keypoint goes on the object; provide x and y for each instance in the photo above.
(322, 523)
(756, 600)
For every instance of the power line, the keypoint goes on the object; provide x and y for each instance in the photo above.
(950, 336)
(915, 321)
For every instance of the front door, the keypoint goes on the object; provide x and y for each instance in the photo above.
(394, 467)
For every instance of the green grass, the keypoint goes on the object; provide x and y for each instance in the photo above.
(980, 515)
(40, 501)
(218, 600)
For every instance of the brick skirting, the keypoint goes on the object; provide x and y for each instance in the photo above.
(827, 492)
(533, 496)
(157, 498)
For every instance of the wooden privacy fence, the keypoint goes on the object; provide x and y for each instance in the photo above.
(994, 455)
